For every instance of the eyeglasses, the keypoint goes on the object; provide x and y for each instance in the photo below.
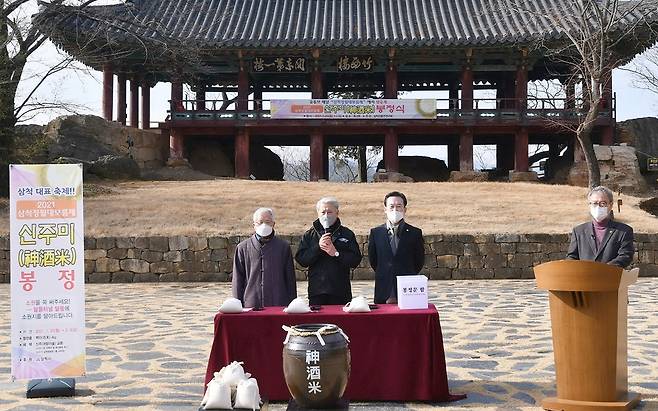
(599, 203)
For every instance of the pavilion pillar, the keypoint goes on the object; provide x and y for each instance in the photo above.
(134, 101)
(467, 89)
(108, 90)
(505, 155)
(146, 105)
(317, 160)
(466, 151)
(243, 89)
(200, 95)
(521, 87)
(176, 145)
(391, 77)
(553, 150)
(317, 84)
(453, 95)
(177, 94)
(258, 98)
(606, 91)
(608, 135)
(453, 157)
(121, 98)
(570, 93)
(521, 150)
(325, 161)
(391, 159)
(242, 168)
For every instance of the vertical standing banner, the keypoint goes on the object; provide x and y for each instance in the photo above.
(47, 271)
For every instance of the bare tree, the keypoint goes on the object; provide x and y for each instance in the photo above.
(645, 71)
(296, 166)
(594, 36)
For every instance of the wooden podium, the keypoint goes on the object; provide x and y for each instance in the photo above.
(588, 302)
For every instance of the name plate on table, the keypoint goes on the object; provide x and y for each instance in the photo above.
(412, 292)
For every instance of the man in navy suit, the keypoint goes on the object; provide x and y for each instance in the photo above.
(394, 248)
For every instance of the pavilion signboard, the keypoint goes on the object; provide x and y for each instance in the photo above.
(354, 109)
(355, 64)
(47, 271)
(280, 64)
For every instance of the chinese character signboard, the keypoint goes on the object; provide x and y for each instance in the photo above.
(354, 109)
(652, 164)
(355, 63)
(412, 292)
(47, 271)
(278, 65)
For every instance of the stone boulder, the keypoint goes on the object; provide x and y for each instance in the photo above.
(421, 168)
(84, 137)
(620, 170)
(115, 167)
(382, 176)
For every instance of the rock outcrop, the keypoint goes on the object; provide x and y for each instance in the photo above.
(421, 168)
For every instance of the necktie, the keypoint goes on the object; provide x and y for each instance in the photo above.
(394, 240)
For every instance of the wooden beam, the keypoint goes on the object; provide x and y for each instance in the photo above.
(243, 89)
(466, 151)
(146, 105)
(521, 86)
(467, 88)
(108, 91)
(176, 145)
(316, 155)
(317, 86)
(391, 77)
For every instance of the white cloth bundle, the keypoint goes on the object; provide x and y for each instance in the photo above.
(232, 374)
(247, 395)
(218, 396)
(357, 305)
(297, 306)
(231, 305)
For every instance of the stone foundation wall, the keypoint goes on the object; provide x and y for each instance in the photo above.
(447, 257)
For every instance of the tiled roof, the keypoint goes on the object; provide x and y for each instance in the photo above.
(326, 23)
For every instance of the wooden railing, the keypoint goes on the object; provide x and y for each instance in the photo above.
(483, 108)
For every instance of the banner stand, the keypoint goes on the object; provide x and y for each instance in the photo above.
(50, 387)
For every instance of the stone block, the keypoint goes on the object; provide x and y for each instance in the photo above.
(134, 265)
(190, 277)
(430, 261)
(234, 239)
(539, 238)
(198, 243)
(466, 176)
(174, 256)
(471, 261)
(95, 254)
(453, 248)
(4, 266)
(201, 256)
(151, 256)
(118, 253)
(507, 273)
(90, 266)
(646, 256)
(125, 242)
(488, 248)
(527, 273)
(142, 242)
(90, 243)
(122, 277)
(134, 252)
(507, 248)
(168, 277)
(484, 238)
(648, 270)
(440, 273)
(363, 274)
(471, 249)
(484, 273)
(520, 260)
(447, 261)
(219, 254)
(108, 265)
(556, 256)
(161, 267)
(209, 267)
(463, 274)
(226, 266)
(105, 243)
(433, 238)
(178, 243)
(495, 261)
(523, 177)
(146, 278)
(506, 238)
(528, 247)
(214, 277)
(158, 244)
(98, 278)
(217, 242)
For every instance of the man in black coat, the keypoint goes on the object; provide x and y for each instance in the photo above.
(602, 239)
(394, 248)
(329, 250)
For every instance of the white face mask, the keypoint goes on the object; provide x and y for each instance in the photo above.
(599, 213)
(327, 220)
(263, 230)
(394, 216)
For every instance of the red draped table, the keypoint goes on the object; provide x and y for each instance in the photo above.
(397, 355)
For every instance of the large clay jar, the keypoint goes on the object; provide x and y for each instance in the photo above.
(316, 373)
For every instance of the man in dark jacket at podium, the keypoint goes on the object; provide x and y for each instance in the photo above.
(602, 239)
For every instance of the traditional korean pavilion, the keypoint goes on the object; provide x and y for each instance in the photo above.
(453, 48)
